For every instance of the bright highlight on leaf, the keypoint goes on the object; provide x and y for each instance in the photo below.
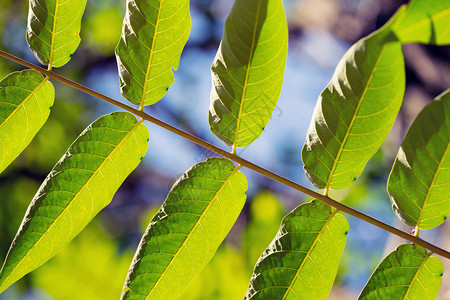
(355, 111)
(53, 31)
(419, 183)
(81, 184)
(425, 21)
(153, 36)
(25, 101)
(407, 273)
(303, 259)
(248, 71)
(184, 235)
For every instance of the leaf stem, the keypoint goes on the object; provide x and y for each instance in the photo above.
(237, 159)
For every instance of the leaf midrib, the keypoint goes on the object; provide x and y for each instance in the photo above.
(247, 73)
(22, 103)
(431, 186)
(316, 240)
(70, 203)
(350, 127)
(236, 169)
(422, 264)
(150, 59)
(52, 44)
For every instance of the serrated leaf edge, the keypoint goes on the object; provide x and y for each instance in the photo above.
(71, 201)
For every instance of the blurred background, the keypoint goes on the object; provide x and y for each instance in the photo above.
(95, 264)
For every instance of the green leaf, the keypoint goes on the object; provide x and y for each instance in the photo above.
(153, 36)
(184, 235)
(425, 21)
(248, 71)
(81, 184)
(355, 111)
(303, 259)
(25, 101)
(419, 185)
(53, 31)
(407, 273)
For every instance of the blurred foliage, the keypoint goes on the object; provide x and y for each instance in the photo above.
(90, 266)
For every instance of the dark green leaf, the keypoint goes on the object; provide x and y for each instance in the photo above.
(355, 111)
(184, 235)
(425, 21)
(302, 260)
(248, 71)
(53, 31)
(81, 184)
(25, 101)
(407, 273)
(419, 185)
(153, 36)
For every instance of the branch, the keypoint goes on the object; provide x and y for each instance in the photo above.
(235, 158)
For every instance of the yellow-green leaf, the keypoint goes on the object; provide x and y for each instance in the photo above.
(153, 36)
(419, 183)
(355, 111)
(25, 101)
(184, 235)
(53, 31)
(303, 259)
(408, 273)
(81, 184)
(248, 71)
(425, 21)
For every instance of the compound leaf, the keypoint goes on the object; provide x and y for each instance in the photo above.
(184, 235)
(248, 71)
(425, 21)
(81, 184)
(419, 185)
(25, 101)
(303, 259)
(355, 111)
(406, 273)
(53, 30)
(153, 36)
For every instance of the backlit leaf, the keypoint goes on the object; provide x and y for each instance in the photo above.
(185, 233)
(53, 31)
(419, 183)
(153, 36)
(248, 71)
(355, 111)
(25, 101)
(407, 273)
(425, 21)
(81, 184)
(303, 259)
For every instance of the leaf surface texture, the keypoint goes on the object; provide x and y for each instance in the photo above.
(406, 273)
(81, 184)
(25, 101)
(355, 112)
(153, 36)
(303, 259)
(248, 70)
(184, 235)
(53, 29)
(419, 185)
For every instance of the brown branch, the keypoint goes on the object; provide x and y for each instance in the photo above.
(236, 158)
